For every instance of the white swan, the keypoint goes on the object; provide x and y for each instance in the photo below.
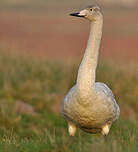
(90, 105)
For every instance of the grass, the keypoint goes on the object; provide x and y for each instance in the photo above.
(42, 85)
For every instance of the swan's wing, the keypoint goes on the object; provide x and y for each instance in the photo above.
(67, 98)
(70, 94)
(104, 88)
(107, 91)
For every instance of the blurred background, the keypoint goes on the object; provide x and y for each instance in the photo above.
(41, 47)
(45, 29)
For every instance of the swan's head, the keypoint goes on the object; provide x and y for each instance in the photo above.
(91, 13)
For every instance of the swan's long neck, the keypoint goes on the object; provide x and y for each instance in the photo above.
(87, 70)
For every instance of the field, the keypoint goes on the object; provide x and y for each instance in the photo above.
(41, 85)
(35, 75)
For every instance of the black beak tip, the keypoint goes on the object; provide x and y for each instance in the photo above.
(74, 14)
(70, 14)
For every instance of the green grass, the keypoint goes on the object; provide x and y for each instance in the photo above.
(42, 85)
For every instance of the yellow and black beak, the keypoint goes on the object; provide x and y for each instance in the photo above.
(76, 14)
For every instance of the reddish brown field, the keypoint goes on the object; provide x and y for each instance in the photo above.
(57, 35)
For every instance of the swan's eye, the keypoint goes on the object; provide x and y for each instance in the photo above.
(91, 9)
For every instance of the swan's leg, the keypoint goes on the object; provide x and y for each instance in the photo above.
(105, 131)
(71, 128)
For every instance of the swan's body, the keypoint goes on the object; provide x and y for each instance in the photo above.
(90, 105)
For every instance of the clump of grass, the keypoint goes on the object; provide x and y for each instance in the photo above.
(42, 85)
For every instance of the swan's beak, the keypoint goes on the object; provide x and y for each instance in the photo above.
(76, 14)
(82, 13)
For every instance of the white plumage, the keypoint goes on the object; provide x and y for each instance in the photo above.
(90, 105)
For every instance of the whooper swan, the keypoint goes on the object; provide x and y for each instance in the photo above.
(90, 105)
